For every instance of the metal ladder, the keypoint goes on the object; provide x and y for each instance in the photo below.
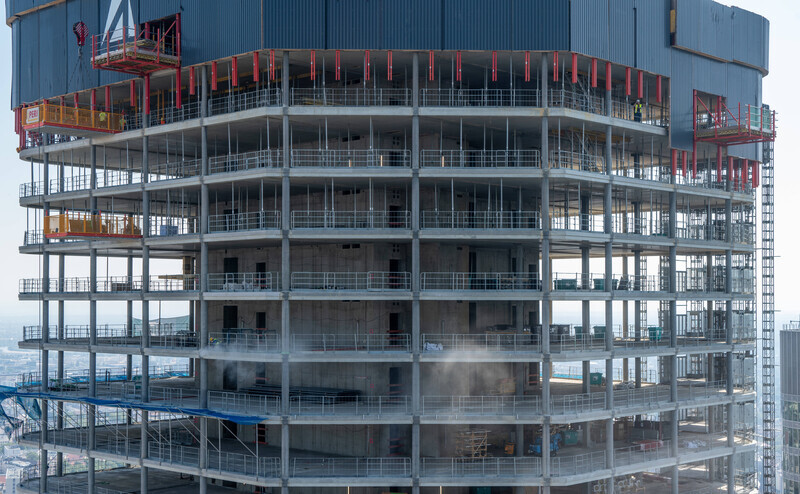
(769, 482)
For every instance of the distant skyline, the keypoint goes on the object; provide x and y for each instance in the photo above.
(779, 91)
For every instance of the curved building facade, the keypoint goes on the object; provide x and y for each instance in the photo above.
(420, 246)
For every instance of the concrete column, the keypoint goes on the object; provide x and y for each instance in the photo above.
(546, 275)
(45, 359)
(673, 334)
(415, 279)
(285, 276)
(145, 340)
(129, 322)
(609, 280)
(60, 357)
(202, 326)
(92, 410)
(637, 314)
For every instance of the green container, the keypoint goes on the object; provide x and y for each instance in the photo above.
(599, 332)
(570, 438)
(655, 332)
(596, 378)
(566, 285)
(578, 330)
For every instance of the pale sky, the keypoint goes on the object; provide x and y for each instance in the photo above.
(780, 91)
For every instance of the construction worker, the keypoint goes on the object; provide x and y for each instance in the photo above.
(637, 111)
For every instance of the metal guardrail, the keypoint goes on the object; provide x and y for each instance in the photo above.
(577, 403)
(244, 100)
(240, 282)
(351, 96)
(238, 222)
(335, 342)
(641, 397)
(250, 465)
(564, 466)
(643, 452)
(264, 158)
(479, 281)
(169, 114)
(33, 237)
(481, 219)
(175, 396)
(373, 406)
(350, 467)
(351, 219)
(577, 343)
(453, 468)
(230, 401)
(487, 342)
(368, 281)
(351, 158)
(480, 158)
(479, 97)
(174, 170)
(455, 406)
(560, 158)
(587, 102)
(240, 341)
(578, 222)
(179, 455)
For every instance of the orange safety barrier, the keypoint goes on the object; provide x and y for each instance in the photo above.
(62, 119)
(91, 225)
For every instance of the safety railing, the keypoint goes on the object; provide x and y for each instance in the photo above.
(577, 222)
(481, 219)
(240, 282)
(577, 403)
(363, 406)
(33, 237)
(350, 467)
(239, 222)
(565, 98)
(487, 342)
(479, 97)
(480, 158)
(178, 455)
(119, 284)
(578, 281)
(648, 113)
(565, 466)
(174, 283)
(171, 170)
(641, 283)
(696, 443)
(577, 343)
(696, 389)
(456, 468)
(68, 117)
(459, 406)
(238, 463)
(29, 189)
(642, 452)
(647, 396)
(76, 223)
(245, 100)
(166, 226)
(34, 333)
(479, 281)
(168, 114)
(631, 225)
(351, 96)
(369, 281)
(263, 158)
(334, 342)
(744, 233)
(174, 339)
(560, 158)
(351, 219)
(174, 396)
(351, 158)
(245, 403)
(238, 340)
(648, 337)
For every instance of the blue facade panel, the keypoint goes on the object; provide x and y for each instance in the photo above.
(540, 25)
(411, 24)
(52, 56)
(354, 24)
(476, 25)
(297, 24)
(652, 36)
(751, 38)
(585, 38)
(622, 31)
(706, 27)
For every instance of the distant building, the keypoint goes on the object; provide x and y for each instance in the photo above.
(790, 398)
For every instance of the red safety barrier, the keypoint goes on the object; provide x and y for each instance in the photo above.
(213, 76)
(608, 77)
(256, 68)
(594, 72)
(178, 83)
(627, 81)
(744, 178)
(574, 68)
(235, 72)
(192, 82)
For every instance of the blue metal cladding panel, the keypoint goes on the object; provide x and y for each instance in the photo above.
(706, 27)
(354, 24)
(653, 51)
(622, 31)
(29, 54)
(15, 58)
(411, 24)
(81, 75)
(295, 25)
(476, 24)
(53, 54)
(585, 37)
(750, 38)
(540, 25)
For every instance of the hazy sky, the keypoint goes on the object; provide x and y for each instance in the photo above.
(780, 91)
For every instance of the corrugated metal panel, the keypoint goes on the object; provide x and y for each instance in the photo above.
(652, 36)
(476, 24)
(622, 31)
(585, 37)
(706, 27)
(29, 51)
(540, 25)
(53, 54)
(412, 24)
(296, 24)
(354, 24)
(750, 38)
(15, 64)
(681, 94)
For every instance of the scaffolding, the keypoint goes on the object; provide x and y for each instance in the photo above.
(472, 443)
(769, 483)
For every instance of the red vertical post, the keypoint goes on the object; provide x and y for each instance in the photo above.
(640, 84)
(674, 162)
(694, 113)
(743, 177)
(574, 68)
(730, 169)
(178, 34)
(719, 163)
(609, 82)
(75, 99)
(389, 65)
(133, 93)
(192, 82)
(338, 65)
(555, 66)
(367, 65)
(107, 97)
(694, 159)
(272, 64)
(213, 76)
(684, 162)
(527, 66)
(235, 72)
(94, 99)
(430, 65)
(313, 65)
(658, 89)
(594, 72)
(494, 66)
(147, 94)
(458, 66)
(256, 68)
(756, 176)
(178, 88)
(627, 81)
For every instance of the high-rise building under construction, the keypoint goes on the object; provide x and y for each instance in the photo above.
(419, 246)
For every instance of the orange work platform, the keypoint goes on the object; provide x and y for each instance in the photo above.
(91, 225)
(82, 122)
